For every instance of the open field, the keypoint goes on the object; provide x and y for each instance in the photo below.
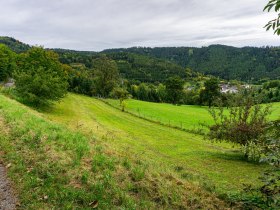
(188, 117)
(218, 164)
(94, 152)
(53, 167)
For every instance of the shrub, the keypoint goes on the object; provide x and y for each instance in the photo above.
(244, 123)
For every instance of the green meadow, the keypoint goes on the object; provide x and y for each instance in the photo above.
(188, 117)
(83, 153)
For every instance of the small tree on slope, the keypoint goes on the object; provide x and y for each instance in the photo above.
(244, 123)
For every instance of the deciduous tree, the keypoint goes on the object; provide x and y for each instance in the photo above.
(121, 94)
(210, 92)
(40, 78)
(174, 89)
(106, 75)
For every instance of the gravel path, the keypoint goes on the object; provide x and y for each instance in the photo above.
(8, 199)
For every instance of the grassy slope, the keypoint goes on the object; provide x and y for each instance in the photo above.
(189, 117)
(185, 154)
(53, 167)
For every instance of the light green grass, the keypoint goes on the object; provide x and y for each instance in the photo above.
(217, 164)
(275, 115)
(53, 167)
(188, 117)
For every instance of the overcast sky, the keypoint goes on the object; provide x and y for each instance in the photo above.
(101, 24)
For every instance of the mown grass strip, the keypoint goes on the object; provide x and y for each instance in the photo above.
(199, 129)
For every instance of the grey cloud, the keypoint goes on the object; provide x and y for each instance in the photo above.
(100, 24)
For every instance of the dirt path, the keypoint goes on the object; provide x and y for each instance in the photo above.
(8, 199)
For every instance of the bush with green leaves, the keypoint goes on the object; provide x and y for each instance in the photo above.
(243, 123)
(40, 78)
(268, 193)
(272, 144)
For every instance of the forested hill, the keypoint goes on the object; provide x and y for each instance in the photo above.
(13, 44)
(145, 68)
(247, 63)
(132, 66)
(157, 64)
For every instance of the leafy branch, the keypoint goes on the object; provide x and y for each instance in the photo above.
(273, 24)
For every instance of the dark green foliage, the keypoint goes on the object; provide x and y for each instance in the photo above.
(272, 144)
(40, 78)
(267, 196)
(144, 68)
(246, 64)
(157, 64)
(106, 75)
(7, 62)
(76, 57)
(174, 89)
(81, 80)
(211, 92)
(143, 92)
(178, 91)
(148, 92)
(14, 44)
(270, 190)
(270, 91)
(152, 65)
(131, 66)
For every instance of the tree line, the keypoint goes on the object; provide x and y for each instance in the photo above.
(41, 77)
